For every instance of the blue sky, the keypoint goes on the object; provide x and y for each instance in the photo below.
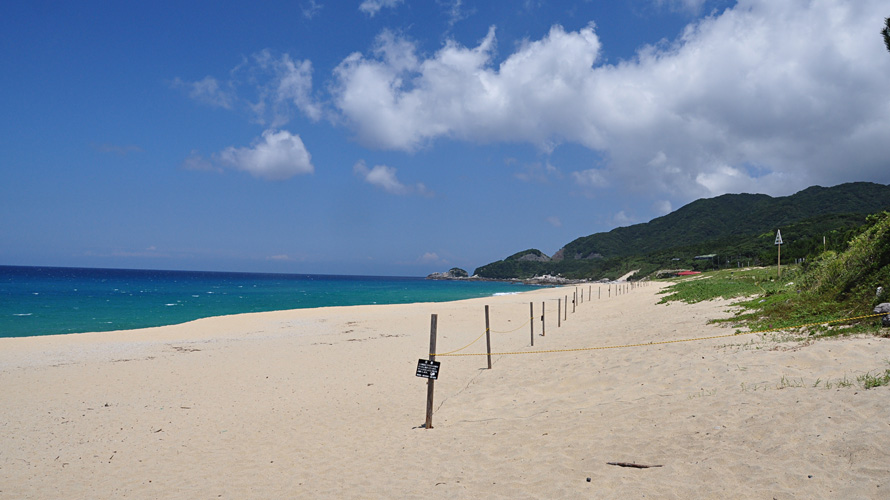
(391, 137)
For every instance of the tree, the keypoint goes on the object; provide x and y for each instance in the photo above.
(886, 33)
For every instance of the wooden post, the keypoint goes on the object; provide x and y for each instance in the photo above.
(559, 312)
(543, 325)
(574, 300)
(487, 338)
(599, 292)
(567, 308)
(430, 383)
(531, 321)
(610, 290)
(779, 267)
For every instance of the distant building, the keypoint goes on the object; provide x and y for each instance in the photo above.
(705, 257)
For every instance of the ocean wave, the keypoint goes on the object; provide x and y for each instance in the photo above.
(22, 314)
(498, 294)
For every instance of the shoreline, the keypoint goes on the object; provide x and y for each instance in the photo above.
(324, 403)
(70, 300)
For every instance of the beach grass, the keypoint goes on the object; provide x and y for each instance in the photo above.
(766, 301)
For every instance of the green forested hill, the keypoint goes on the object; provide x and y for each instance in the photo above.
(736, 227)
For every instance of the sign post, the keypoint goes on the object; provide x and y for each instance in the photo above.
(433, 375)
(779, 244)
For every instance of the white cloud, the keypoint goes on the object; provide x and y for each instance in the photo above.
(208, 91)
(372, 7)
(278, 155)
(766, 96)
(590, 178)
(384, 177)
(290, 83)
(197, 162)
(266, 85)
(310, 8)
(554, 221)
(538, 172)
(662, 207)
(690, 6)
(455, 11)
(397, 101)
(429, 257)
(622, 219)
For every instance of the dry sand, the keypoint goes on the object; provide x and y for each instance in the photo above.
(325, 403)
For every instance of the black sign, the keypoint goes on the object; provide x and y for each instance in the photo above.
(427, 369)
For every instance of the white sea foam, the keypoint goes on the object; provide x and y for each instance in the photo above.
(23, 314)
(504, 293)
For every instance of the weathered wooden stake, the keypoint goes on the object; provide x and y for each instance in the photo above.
(574, 301)
(567, 308)
(430, 383)
(599, 292)
(531, 321)
(487, 338)
(543, 325)
(559, 312)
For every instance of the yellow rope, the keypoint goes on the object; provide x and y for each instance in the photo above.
(517, 328)
(450, 353)
(654, 342)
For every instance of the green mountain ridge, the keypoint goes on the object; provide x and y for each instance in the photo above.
(737, 227)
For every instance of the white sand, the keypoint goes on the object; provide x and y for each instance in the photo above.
(325, 403)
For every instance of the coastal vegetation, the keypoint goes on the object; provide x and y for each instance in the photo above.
(833, 285)
(728, 231)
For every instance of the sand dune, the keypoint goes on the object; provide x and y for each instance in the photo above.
(325, 403)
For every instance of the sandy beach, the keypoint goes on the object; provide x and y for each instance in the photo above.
(324, 403)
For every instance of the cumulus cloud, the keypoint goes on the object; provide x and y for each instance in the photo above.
(278, 155)
(396, 100)
(765, 96)
(554, 221)
(384, 177)
(372, 7)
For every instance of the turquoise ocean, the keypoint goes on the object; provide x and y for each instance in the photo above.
(54, 300)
